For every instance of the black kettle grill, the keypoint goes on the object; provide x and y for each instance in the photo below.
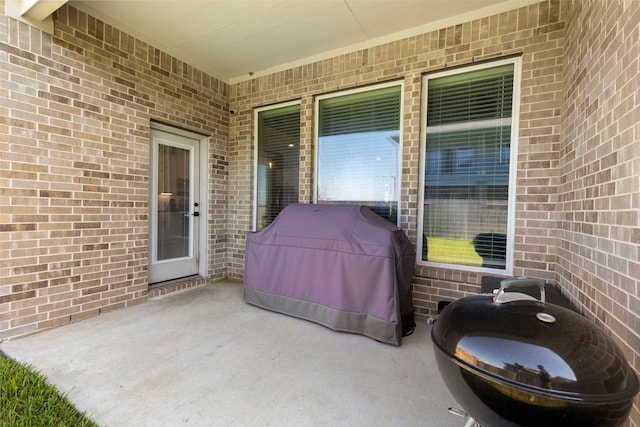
(512, 360)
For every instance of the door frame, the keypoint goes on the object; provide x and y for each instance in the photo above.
(202, 192)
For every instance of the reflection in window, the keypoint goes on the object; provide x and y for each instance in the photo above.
(173, 233)
(278, 158)
(358, 150)
(469, 134)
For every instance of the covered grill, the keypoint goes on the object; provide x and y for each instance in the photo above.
(341, 266)
(512, 360)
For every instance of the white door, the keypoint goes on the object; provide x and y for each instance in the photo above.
(175, 206)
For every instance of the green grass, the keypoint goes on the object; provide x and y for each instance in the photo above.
(27, 400)
(453, 251)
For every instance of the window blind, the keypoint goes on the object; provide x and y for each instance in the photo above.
(278, 162)
(467, 158)
(478, 95)
(370, 111)
(358, 150)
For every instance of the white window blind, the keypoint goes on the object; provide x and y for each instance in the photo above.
(358, 150)
(467, 162)
(278, 159)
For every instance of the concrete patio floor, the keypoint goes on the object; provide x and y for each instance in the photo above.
(204, 357)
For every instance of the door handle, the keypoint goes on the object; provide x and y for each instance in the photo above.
(196, 214)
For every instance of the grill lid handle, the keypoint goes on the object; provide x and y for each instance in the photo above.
(519, 282)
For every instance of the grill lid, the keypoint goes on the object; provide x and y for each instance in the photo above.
(518, 340)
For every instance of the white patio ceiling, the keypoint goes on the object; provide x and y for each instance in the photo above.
(235, 39)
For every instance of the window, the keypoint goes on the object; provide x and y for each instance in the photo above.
(469, 153)
(359, 147)
(277, 161)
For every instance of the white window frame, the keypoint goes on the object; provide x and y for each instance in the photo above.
(319, 98)
(513, 171)
(256, 111)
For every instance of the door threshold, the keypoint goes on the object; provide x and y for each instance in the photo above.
(162, 289)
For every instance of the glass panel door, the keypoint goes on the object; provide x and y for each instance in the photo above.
(173, 202)
(174, 207)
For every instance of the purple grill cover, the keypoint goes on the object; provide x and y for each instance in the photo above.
(338, 265)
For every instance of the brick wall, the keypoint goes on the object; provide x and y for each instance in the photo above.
(75, 110)
(535, 32)
(599, 169)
